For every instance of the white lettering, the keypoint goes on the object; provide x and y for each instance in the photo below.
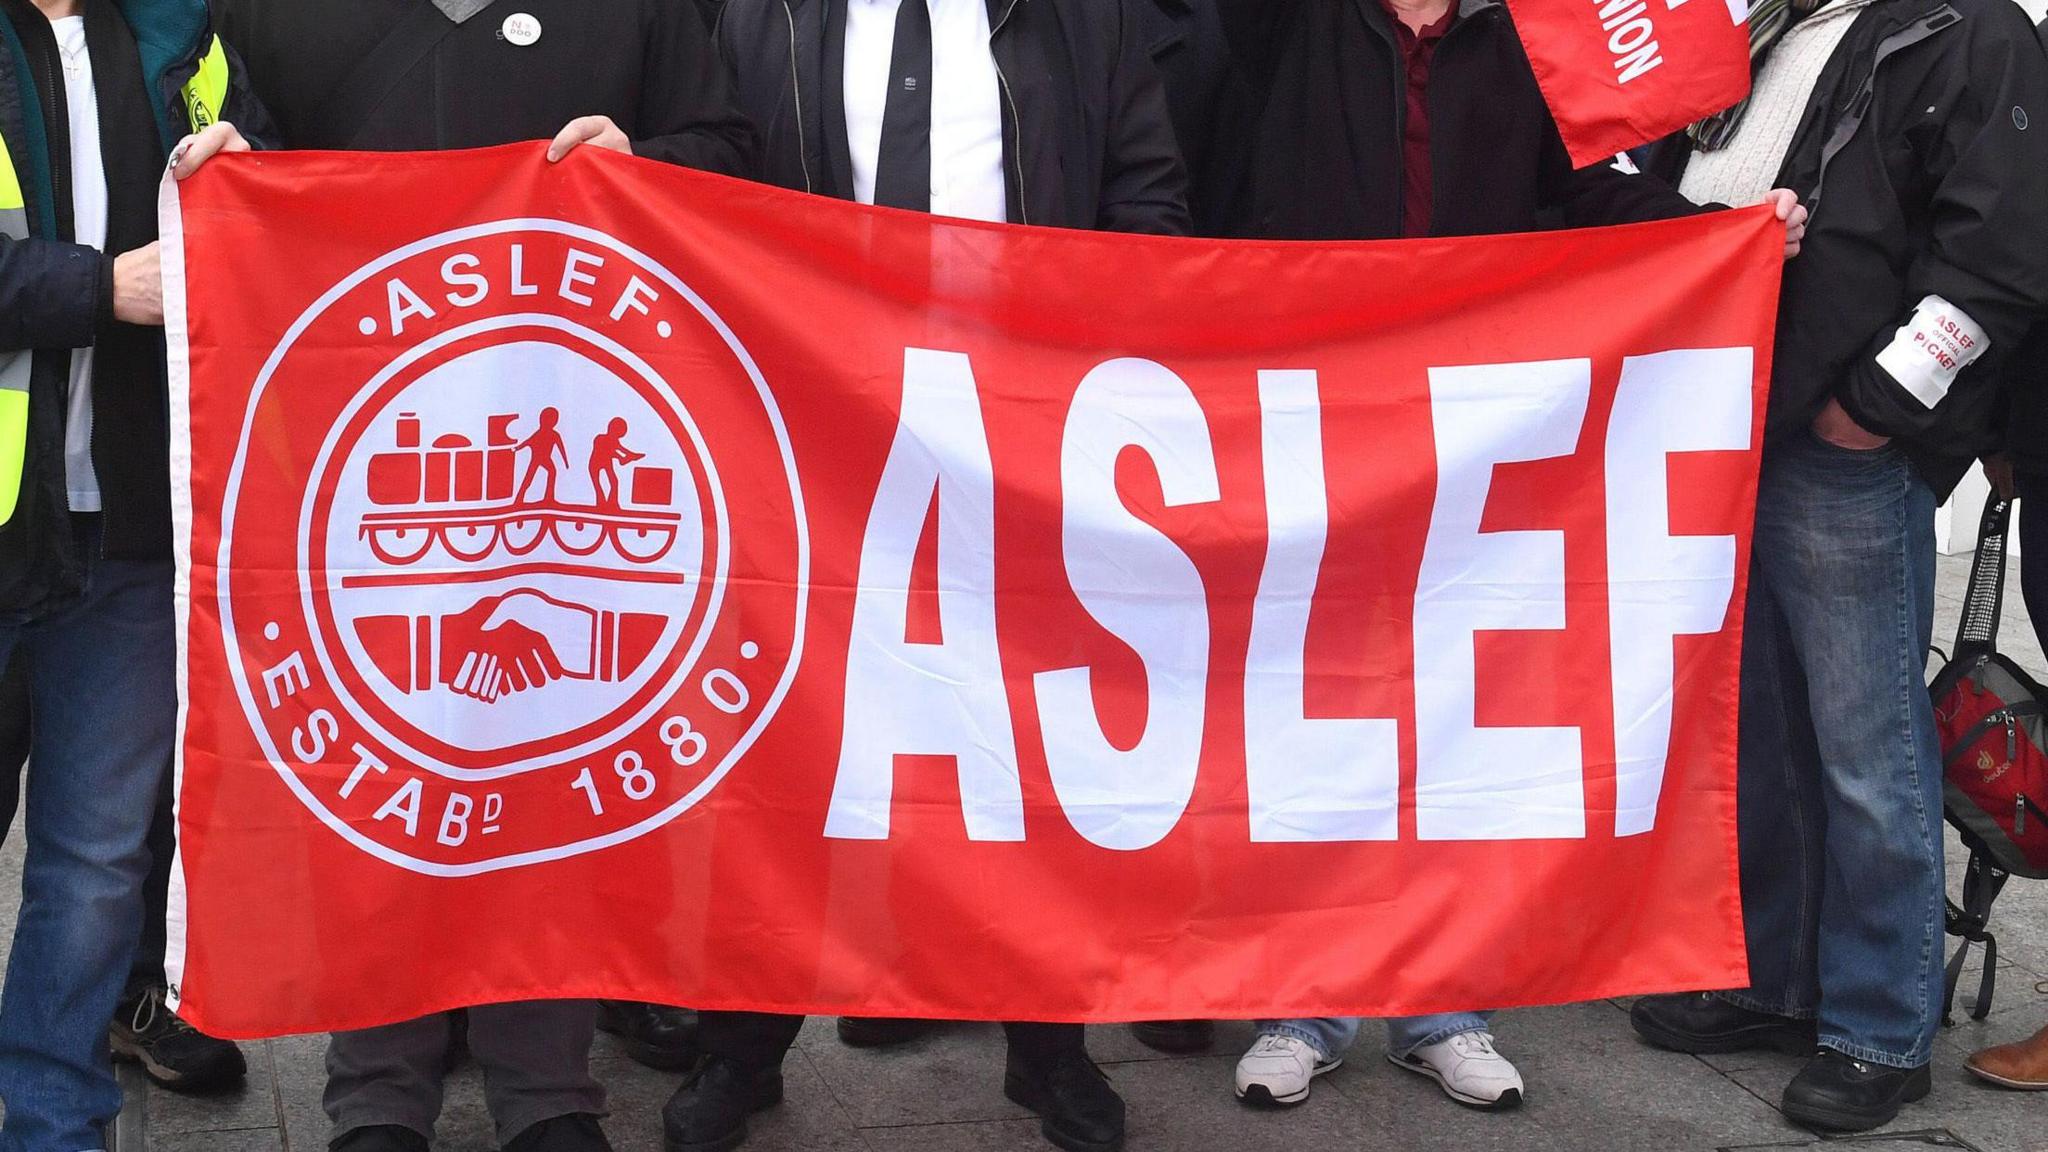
(1492, 783)
(1306, 779)
(405, 805)
(943, 699)
(404, 303)
(573, 274)
(1142, 589)
(478, 284)
(1660, 586)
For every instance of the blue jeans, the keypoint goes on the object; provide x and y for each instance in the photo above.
(102, 676)
(1839, 796)
(1331, 1035)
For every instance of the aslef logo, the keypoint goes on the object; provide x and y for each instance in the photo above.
(512, 632)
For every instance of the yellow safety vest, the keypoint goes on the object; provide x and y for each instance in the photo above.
(205, 95)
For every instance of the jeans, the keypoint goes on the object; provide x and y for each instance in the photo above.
(2033, 536)
(102, 676)
(535, 1057)
(1839, 792)
(1331, 1035)
(147, 969)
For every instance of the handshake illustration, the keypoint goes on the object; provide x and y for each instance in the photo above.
(520, 640)
(509, 643)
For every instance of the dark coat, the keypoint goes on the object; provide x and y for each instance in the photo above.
(1087, 138)
(1185, 38)
(1321, 136)
(57, 295)
(647, 64)
(1923, 155)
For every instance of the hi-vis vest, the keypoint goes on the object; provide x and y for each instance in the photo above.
(204, 95)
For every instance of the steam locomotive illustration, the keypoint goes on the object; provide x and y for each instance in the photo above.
(474, 500)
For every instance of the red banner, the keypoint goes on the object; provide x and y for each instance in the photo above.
(608, 580)
(1618, 73)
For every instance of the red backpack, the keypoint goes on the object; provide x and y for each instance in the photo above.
(1994, 743)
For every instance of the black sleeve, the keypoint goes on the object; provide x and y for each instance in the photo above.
(1983, 272)
(1603, 194)
(687, 113)
(53, 294)
(1144, 183)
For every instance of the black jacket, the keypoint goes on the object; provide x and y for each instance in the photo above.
(1321, 149)
(1923, 155)
(2026, 433)
(161, 73)
(647, 64)
(1185, 38)
(1087, 140)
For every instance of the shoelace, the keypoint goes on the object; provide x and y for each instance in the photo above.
(1274, 1046)
(1471, 1044)
(147, 1013)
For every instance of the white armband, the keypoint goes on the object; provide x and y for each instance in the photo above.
(1932, 349)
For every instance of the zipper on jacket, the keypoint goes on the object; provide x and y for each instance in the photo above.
(796, 91)
(1851, 123)
(1016, 119)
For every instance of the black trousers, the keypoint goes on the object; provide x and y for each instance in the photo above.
(760, 1039)
(2033, 561)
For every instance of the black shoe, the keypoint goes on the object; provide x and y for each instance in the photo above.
(1180, 1037)
(575, 1132)
(1076, 1107)
(881, 1031)
(1843, 1094)
(146, 1031)
(1703, 1023)
(379, 1138)
(709, 1112)
(655, 1035)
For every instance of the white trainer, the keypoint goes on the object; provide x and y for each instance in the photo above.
(1469, 1070)
(1278, 1070)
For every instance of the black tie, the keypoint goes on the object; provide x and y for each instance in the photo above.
(903, 167)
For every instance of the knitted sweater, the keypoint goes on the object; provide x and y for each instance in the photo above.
(1748, 166)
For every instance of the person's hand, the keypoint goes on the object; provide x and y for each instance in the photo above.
(596, 131)
(200, 147)
(1837, 427)
(1786, 203)
(1998, 470)
(139, 287)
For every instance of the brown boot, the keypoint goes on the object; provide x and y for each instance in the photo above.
(2023, 1065)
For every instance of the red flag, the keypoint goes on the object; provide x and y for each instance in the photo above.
(1618, 73)
(601, 579)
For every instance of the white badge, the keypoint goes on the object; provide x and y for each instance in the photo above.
(520, 29)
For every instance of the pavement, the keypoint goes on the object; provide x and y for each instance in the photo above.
(1592, 1086)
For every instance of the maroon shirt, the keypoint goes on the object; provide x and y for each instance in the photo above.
(1417, 48)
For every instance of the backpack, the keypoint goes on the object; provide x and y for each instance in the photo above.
(1994, 742)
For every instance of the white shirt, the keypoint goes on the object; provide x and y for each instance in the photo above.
(88, 226)
(967, 104)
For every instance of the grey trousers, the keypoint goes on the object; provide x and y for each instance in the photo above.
(535, 1058)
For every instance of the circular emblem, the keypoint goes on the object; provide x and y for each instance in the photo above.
(502, 624)
(2019, 118)
(520, 29)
